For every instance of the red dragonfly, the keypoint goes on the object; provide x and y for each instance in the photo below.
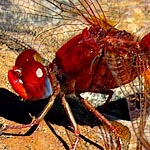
(98, 59)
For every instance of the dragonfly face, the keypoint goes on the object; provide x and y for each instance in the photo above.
(29, 77)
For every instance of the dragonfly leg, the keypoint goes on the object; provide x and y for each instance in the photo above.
(72, 120)
(100, 117)
(36, 120)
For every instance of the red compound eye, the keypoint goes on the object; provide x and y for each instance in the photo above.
(24, 56)
(28, 78)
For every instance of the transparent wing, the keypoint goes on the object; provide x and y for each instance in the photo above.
(50, 23)
(136, 91)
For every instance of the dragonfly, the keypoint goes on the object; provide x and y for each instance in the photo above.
(106, 56)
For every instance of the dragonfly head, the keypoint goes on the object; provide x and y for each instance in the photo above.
(29, 76)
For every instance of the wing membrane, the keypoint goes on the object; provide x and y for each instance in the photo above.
(44, 21)
(136, 91)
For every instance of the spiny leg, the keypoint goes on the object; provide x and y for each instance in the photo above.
(72, 120)
(36, 121)
(103, 119)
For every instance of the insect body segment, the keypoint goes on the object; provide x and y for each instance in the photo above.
(97, 57)
(29, 77)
